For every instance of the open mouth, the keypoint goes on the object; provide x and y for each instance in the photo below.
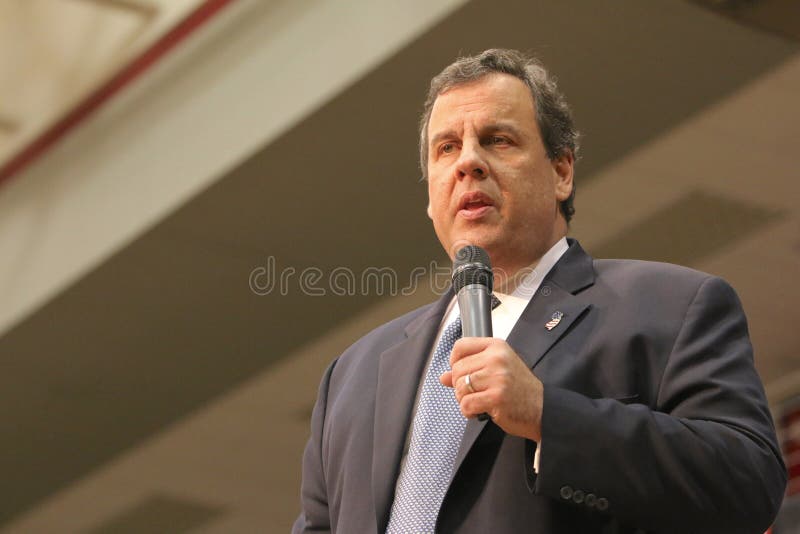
(474, 204)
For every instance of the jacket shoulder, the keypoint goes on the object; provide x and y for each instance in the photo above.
(639, 272)
(385, 335)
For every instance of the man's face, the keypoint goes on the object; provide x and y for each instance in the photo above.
(490, 182)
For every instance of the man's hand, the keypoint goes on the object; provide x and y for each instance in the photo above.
(502, 385)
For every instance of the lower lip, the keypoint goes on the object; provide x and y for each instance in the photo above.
(474, 213)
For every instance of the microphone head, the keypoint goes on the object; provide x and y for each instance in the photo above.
(472, 266)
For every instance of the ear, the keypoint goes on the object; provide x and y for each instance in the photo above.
(429, 211)
(564, 167)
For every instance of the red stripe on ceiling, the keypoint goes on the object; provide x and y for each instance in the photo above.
(125, 76)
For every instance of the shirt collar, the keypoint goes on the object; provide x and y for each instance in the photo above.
(533, 278)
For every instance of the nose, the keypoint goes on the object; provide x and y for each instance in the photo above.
(472, 163)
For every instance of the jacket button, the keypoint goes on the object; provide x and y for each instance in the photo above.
(577, 496)
(602, 504)
(566, 492)
(590, 500)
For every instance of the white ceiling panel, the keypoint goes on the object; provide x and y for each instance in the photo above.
(55, 53)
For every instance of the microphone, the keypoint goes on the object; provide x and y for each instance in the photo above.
(472, 282)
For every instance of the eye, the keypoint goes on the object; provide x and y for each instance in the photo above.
(447, 148)
(497, 140)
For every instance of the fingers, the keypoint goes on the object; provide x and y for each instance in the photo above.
(464, 385)
(463, 378)
(476, 403)
(447, 379)
(471, 355)
(468, 383)
(500, 384)
(468, 346)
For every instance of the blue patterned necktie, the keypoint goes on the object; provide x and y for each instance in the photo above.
(435, 437)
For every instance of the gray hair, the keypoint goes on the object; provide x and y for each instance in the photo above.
(553, 115)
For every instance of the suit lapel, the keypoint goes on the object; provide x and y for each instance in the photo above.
(555, 307)
(530, 338)
(399, 373)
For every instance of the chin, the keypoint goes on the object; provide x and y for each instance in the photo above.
(481, 240)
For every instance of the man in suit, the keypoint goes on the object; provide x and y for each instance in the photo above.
(622, 394)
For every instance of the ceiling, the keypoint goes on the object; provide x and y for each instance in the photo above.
(54, 54)
(161, 388)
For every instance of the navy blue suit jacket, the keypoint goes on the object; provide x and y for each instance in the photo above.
(654, 418)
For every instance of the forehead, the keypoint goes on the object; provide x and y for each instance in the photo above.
(493, 97)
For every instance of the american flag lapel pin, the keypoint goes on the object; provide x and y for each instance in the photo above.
(554, 320)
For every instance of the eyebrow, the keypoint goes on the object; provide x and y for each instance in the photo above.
(447, 134)
(502, 126)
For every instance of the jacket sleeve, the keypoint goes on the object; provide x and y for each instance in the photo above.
(314, 514)
(702, 457)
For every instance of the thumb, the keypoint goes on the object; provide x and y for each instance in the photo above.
(447, 379)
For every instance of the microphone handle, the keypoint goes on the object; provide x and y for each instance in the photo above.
(475, 305)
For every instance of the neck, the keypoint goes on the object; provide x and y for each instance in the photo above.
(508, 275)
(506, 280)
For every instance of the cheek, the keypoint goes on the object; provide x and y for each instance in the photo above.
(437, 196)
(434, 207)
(528, 200)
